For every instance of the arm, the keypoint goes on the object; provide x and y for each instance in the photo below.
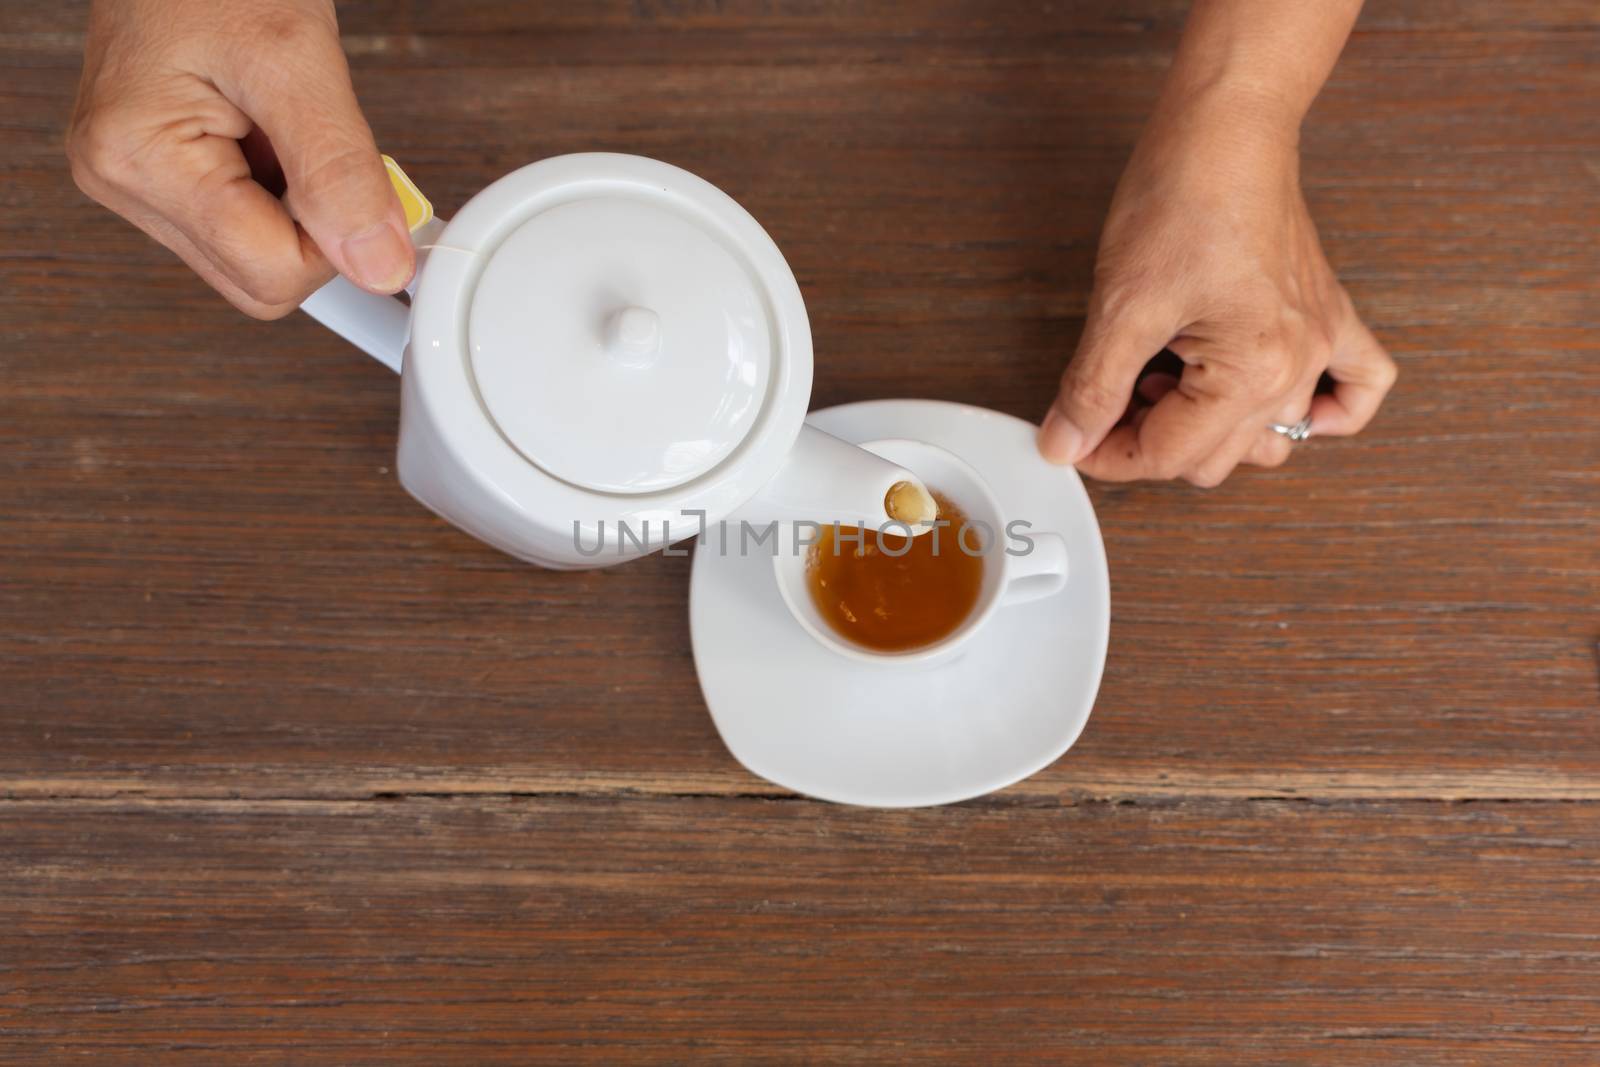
(1209, 251)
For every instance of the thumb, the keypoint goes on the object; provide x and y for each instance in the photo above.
(1098, 384)
(337, 188)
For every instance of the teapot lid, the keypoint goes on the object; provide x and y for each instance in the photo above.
(622, 335)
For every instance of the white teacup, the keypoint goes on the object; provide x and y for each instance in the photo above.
(1019, 563)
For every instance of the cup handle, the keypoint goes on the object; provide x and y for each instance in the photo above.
(1040, 573)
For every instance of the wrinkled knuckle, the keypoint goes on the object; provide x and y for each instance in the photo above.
(1319, 350)
(1166, 466)
(1278, 454)
(1124, 297)
(1274, 375)
(277, 291)
(98, 155)
(267, 297)
(1083, 393)
(1207, 475)
(83, 175)
(1320, 325)
(271, 286)
(340, 168)
(271, 312)
(1117, 297)
(1388, 373)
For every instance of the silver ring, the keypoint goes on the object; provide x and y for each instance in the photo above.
(1298, 432)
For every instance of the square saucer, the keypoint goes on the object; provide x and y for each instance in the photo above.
(808, 719)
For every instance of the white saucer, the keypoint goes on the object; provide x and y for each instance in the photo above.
(812, 721)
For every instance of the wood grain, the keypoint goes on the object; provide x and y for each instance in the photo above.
(207, 536)
(234, 656)
(677, 930)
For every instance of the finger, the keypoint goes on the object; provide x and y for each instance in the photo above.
(198, 261)
(209, 272)
(1258, 444)
(1152, 387)
(1363, 373)
(244, 230)
(1098, 384)
(1269, 449)
(337, 187)
(1173, 439)
(192, 192)
(1217, 467)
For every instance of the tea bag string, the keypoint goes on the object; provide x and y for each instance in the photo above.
(430, 246)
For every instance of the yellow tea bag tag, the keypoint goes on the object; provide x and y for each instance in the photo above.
(418, 211)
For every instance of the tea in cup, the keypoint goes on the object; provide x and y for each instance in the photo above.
(885, 596)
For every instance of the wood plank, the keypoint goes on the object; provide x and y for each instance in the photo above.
(213, 588)
(714, 930)
(213, 585)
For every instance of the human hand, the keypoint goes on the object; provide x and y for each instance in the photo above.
(194, 117)
(1209, 251)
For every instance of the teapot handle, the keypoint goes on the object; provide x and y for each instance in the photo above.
(379, 325)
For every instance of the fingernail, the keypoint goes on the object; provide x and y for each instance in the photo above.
(1059, 440)
(380, 258)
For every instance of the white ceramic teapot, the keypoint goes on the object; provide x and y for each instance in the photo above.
(602, 353)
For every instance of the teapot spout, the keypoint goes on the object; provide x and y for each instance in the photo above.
(827, 480)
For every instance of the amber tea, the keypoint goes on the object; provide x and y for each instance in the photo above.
(884, 594)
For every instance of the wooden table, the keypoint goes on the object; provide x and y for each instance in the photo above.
(292, 772)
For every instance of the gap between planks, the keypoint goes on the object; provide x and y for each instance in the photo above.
(292, 785)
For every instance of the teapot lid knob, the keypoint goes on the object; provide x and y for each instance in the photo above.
(633, 336)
